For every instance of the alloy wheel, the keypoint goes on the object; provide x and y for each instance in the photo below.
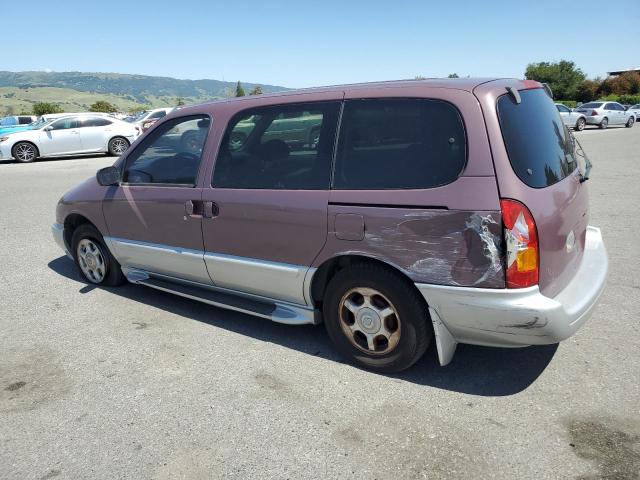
(369, 320)
(91, 261)
(119, 146)
(25, 152)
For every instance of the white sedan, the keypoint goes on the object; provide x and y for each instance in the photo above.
(72, 135)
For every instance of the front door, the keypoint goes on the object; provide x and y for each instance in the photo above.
(269, 199)
(60, 138)
(153, 216)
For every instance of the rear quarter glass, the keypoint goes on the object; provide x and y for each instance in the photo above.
(537, 142)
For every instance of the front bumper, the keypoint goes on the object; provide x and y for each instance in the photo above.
(517, 317)
(58, 235)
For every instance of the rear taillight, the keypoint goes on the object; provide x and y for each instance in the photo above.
(521, 239)
(594, 113)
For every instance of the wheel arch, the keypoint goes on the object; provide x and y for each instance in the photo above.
(71, 223)
(325, 272)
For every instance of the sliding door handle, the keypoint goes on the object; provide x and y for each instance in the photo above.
(211, 210)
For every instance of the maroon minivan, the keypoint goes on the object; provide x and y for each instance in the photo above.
(389, 211)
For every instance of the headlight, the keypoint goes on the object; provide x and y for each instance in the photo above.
(4, 139)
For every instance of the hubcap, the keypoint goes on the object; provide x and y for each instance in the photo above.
(369, 320)
(91, 261)
(25, 152)
(119, 146)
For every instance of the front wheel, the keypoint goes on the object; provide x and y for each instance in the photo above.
(93, 258)
(580, 124)
(630, 122)
(604, 123)
(376, 318)
(117, 146)
(25, 152)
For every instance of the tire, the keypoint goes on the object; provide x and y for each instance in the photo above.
(314, 138)
(409, 325)
(117, 146)
(25, 152)
(580, 124)
(88, 239)
(630, 122)
(604, 123)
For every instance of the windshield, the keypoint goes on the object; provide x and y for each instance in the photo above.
(591, 105)
(137, 116)
(539, 145)
(39, 123)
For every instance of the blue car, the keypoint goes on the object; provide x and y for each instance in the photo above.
(8, 127)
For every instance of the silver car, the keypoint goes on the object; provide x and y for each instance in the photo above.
(604, 114)
(571, 118)
(635, 109)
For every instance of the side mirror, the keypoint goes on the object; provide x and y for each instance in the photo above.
(108, 176)
(48, 128)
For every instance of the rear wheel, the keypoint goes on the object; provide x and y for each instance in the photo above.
(630, 122)
(376, 318)
(93, 259)
(580, 124)
(25, 152)
(604, 123)
(117, 146)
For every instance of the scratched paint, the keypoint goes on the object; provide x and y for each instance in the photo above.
(433, 246)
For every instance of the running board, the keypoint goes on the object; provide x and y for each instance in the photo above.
(271, 310)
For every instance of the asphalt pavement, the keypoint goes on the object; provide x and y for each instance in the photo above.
(134, 383)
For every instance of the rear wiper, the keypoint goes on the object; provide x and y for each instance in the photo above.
(577, 149)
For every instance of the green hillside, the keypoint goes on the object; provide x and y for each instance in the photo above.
(75, 91)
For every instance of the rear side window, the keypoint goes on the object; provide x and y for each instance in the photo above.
(399, 144)
(538, 144)
(24, 120)
(95, 122)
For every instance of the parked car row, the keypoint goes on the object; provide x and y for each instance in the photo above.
(67, 134)
(601, 114)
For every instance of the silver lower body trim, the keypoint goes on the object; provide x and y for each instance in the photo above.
(284, 312)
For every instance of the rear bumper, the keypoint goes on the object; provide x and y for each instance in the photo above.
(518, 317)
(594, 120)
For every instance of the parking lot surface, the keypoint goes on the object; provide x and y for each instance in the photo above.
(135, 383)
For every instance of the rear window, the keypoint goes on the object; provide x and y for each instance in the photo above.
(399, 144)
(538, 144)
(591, 105)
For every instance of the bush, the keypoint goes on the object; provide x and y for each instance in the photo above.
(44, 108)
(103, 107)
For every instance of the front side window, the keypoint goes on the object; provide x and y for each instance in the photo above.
(24, 120)
(65, 124)
(280, 147)
(170, 154)
(538, 143)
(399, 144)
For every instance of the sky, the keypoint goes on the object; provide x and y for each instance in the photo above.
(320, 42)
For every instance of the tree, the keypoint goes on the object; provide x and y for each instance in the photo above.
(256, 91)
(588, 90)
(45, 108)
(239, 90)
(103, 106)
(419, 77)
(179, 102)
(453, 75)
(563, 77)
